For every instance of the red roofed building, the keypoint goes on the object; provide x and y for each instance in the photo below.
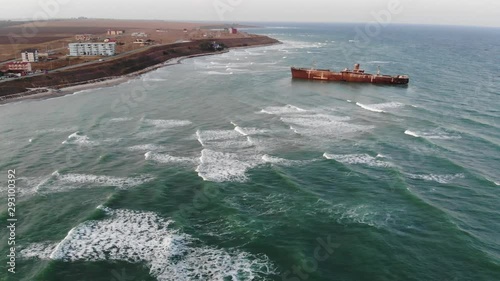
(19, 66)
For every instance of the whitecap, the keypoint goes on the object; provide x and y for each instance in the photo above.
(62, 182)
(443, 179)
(248, 131)
(223, 167)
(222, 139)
(167, 124)
(411, 133)
(167, 159)
(281, 161)
(147, 238)
(81, 140)
(278, 110)
(146, 147)
(121, 119)
(355, 159)
(380, 107)
(434, 134)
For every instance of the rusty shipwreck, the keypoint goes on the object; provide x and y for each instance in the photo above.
(356, 75)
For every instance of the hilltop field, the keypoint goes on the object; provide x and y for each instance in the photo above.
(56, 34)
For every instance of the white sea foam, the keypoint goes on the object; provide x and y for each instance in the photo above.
(217, 135)
(248, 131)
(315, 121)
(360, 214)
(57, 182)
(411, 133)
(281, 161)
(167, 124)
(222, 139)
(78, 139)
(166, 159)
(434, 134)
(198, 137)
(441, 137)
(145, 237)
(437, 178)
(121, 119)
(375, 216)
(221, 167)
(311, 127)
(80, 180)
(278, 110)
(38, 250)
(27, 186)
(240, 130)
(354, 159)
(311, 123)
(380, 107)
(146, 147)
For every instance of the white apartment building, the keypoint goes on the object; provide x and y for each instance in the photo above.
(92, 49)
(30, 55)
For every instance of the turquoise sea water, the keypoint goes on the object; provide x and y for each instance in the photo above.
(224, 168)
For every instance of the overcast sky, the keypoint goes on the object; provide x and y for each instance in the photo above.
(455, 12)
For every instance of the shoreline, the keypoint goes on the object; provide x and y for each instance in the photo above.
(114, 81)
(45, 93)
(62, 90)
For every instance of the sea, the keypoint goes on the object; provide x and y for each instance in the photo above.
(224, 168)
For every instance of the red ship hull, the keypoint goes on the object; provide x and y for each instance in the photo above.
(356, 76)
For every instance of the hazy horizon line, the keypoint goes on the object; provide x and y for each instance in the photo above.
(246, 22)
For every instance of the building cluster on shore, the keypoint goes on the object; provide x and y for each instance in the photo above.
(87, 47)
(22, 67)
(92, 49)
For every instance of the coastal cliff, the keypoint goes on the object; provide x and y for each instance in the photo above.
(155, 55)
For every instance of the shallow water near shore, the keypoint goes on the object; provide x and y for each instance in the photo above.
(224, 168)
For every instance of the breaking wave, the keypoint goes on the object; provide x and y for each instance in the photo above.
(145, 237)
(165, 158)
(221, 167)
(357, 159)
(436, 134)
(77, 138)
(277, 110)
(167, 124)
(380, 107)
(437, 178)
